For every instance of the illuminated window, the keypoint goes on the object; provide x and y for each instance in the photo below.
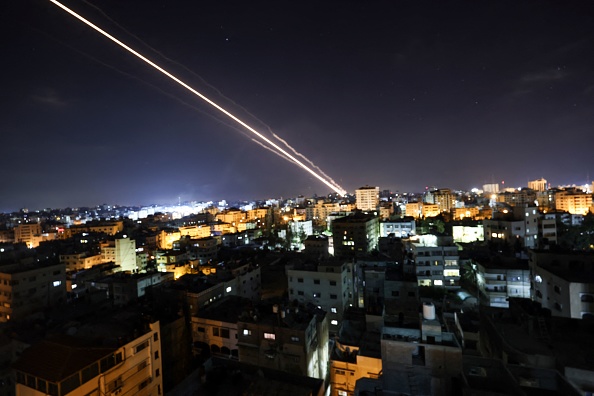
(438, 282)
(247, 332)
(270, 336)
(228, 290)
(334, 322)
(333, 310)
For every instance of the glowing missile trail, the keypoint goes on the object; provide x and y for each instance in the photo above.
(330, 184)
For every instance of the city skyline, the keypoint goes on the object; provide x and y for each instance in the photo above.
(395, 95)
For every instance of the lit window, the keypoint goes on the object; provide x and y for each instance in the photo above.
(228, 290)
(57, 283)
(438, 282)
(247, 332)
(333, 309)
(270, 336)
(334, 322)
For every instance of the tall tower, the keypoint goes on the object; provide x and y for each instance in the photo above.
(538, 185)
(367, 198)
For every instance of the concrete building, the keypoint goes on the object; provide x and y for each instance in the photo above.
(287, 338)
(27, 233)
(102, 227)
(367, 198)
(121, 251)
(574, 202)
(420, 361)
(468, 234)
(80, 261)
(123, 288)
(436, 265)
(403, 228)
(327, 284)
(563, 283)
(492, 188)
(317, 247)
(444, 199)
(356, 354)
(26, 288)
(355, 235)
(522, 197)
(71, 366)
(500, 279)
(215, 326)
(538, 185)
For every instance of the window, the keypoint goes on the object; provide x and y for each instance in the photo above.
(299, 292)
(157, 373)
(557, 289)
(395, 293)
(316, 281)
(332, 283)
(247, 332)
(334, 322)
(201, 330)
(333, 296)
(300, 280)
(411, 294)
(225, 333)
(156, 355)
(141, 346)
(270, 336)
(588, 298)
(215, 332)
(333, 310)
(295, 339)
(317, 295)
(156, 337)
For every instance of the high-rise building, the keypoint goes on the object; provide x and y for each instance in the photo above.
(367, 198)
(27, 233)
(574, 202)
(538, 185)
(355, 235)
(492, 188)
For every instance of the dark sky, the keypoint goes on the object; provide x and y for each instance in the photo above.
(398, 94)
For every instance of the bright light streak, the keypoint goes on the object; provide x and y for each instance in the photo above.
(330, 184)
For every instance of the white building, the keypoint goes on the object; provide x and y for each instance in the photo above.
(563, 283)
(327, 285)
(500, 280)
(400, 229)
(367, 198)
(436, 265)
(122, 252)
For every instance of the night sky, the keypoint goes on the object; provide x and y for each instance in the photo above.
(399, 94)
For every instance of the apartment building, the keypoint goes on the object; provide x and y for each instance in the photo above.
(500, 279)
(70, 366)
(26, 288)
(572, 201)
(290, 338)
(80, 261)
(367, 198)
(563, 283)
(327, 284)
(400, 228)
(436, 265)
(355, 235)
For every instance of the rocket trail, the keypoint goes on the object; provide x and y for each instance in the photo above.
(328, 183)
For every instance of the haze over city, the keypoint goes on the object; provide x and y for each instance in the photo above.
(400, 95)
